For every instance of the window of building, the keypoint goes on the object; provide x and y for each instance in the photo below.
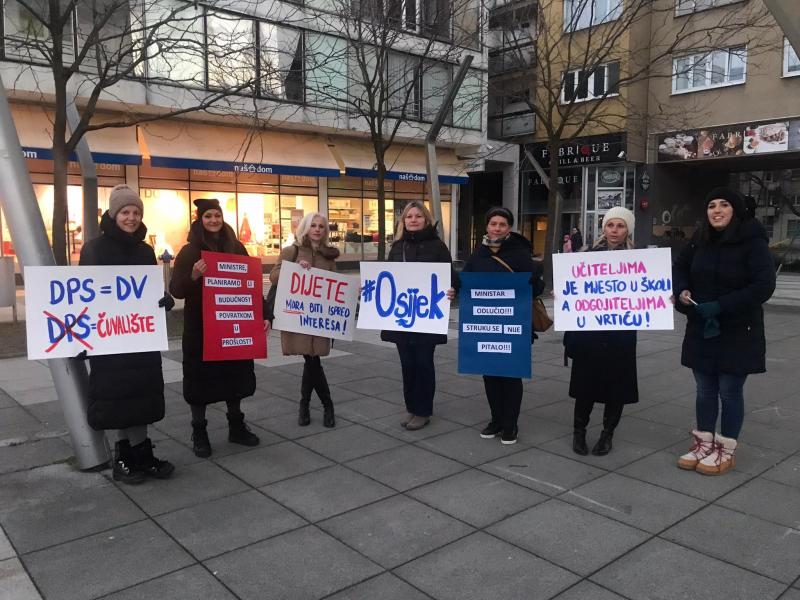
(436, 79)
(26, 35)
(403, 82)
(437, 18)
(231, 51)
(107, 27)
(326, 69)
(467, 24)
(582, 85)
(580, 14)
(685, 7)
(791, 63)
(715, 69)
(469, 100)
(281, 53)
(793, 229)
(177, 50)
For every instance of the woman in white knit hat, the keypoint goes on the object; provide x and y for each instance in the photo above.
(603, 362)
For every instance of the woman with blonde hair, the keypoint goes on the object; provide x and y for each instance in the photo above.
(310, 249)
(416, 240)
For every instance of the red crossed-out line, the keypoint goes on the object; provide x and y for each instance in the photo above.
(66, 329)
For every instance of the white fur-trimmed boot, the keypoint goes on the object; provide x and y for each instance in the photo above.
(703, 446)
(721, 459)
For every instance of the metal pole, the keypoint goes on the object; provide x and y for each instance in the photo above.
(33, 249)
(89, 174)
(431, 161)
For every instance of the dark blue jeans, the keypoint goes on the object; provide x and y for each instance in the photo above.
(713, 388)
(419, 377)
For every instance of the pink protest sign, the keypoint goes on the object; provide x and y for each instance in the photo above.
(619, 290)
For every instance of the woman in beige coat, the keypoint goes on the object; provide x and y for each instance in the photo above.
(310, 249)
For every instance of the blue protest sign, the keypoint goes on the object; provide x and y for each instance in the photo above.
(494, 329)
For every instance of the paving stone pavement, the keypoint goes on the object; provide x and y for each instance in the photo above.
(369, 510)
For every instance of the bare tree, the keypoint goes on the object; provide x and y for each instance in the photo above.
(590, 63)
(188, 57)
(387, 66)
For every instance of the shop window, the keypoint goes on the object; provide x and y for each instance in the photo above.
(580, 14)
(167, 216)
(791, 63)
(281, 62)
(293, 208)
(716, 69)
(344, 215)
(371, 224)
(588, 85)
(26, 35)
(326, 69)
(177, 52)
(231, 51)
(259, 227)
(685, 7)
(469, 101)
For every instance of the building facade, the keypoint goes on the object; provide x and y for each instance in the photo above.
(289, 141)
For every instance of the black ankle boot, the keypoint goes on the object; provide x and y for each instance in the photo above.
(123, 466)
(603, 445)
(148, 464)
(239, 432)
(579, 442)
(328, 418)
(304, 416)
(200, 443)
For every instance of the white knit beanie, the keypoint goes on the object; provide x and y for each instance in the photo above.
(618, 212)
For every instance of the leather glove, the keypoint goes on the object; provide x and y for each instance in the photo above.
(167, 302)
(708, 310)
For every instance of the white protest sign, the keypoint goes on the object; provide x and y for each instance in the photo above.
(618, 290)
(404, 296)
(103, 310)
(315, 302)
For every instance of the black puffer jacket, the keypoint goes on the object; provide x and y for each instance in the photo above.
(735, 269)
(125, 390)
(420, 246)
(212, 381)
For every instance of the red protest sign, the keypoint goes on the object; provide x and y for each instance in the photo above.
(233, 322)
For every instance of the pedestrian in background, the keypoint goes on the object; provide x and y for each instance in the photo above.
(310, 249)
(207, 382)
(603, 362)
(576, 239)
(501, 251)
(416, 240)
(126, 391)
(722, 278)
(567, 245)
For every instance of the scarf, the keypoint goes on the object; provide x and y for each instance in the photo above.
(493, 244)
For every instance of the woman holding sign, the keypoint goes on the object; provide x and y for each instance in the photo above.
(206, 382)
(126, 391)
(501, 251)
(416, 240)
(722, 278)
(603, 362)
(310, 249)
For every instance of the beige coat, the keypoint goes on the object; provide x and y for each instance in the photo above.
(301, 343)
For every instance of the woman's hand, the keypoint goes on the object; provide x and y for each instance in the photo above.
(304, 264)
(451, 294)
(686, 298)
(266, 326)
(198, 269)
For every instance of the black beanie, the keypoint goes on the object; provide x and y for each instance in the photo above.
(204, 204)
(500, 211)
(734, 198)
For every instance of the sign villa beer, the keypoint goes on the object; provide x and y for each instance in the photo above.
(233, 321)
(593, 149)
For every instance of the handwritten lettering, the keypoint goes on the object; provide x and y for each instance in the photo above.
(409, 305)
(584, 269)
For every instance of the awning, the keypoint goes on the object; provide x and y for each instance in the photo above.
(186, 145)
(403, 163)
(116, 146)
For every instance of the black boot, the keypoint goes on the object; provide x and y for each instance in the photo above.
(239, 432)
(306, 388)
(304, 415)
(603, 445)
(148, 464)
(579, 442)
(328, 418)
(123, 466)
(200, 443)
(324, 393)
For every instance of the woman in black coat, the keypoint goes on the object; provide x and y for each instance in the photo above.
(603, 362)
(504, 393)
(126, 391)
(416, 240)
(207, 382)
(723, 277)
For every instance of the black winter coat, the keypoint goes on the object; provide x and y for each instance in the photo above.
(737, 271)
(212, 381)
(125, 390)
(420, 246)
(603, 365)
